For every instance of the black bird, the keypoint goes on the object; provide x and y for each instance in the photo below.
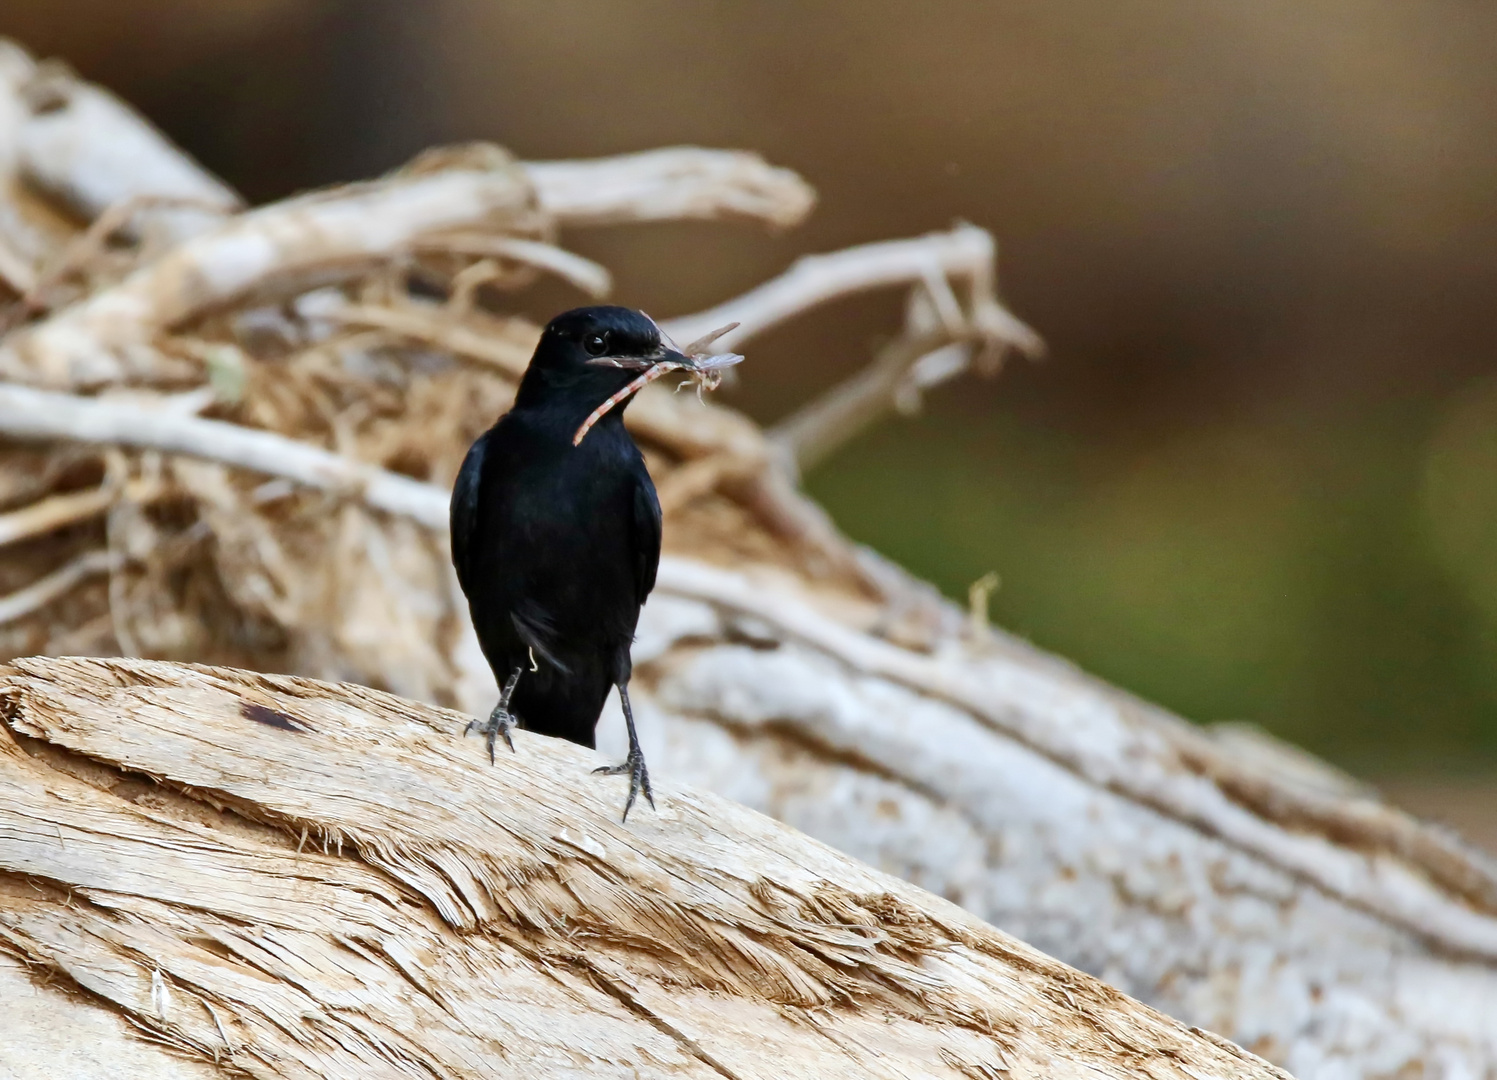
(556, 541)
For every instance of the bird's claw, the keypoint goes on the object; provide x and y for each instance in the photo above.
(639, 779)
(500, 722)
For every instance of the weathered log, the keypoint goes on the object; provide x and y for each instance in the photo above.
(274, 877)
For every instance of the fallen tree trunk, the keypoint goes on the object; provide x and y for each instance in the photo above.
(273, 877)
(297, 526)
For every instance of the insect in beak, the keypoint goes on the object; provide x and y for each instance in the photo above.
(704, 369)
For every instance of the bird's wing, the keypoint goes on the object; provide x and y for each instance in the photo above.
(464, 513)
(645, 537)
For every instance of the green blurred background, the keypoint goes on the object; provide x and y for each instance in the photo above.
(1256, 479)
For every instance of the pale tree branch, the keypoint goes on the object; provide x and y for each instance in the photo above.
(944, 332)
(587, 275)
(965, 253)
(294, 245)
(49, 587)
(90, 151)
(282, 249)
(59, 511)
(670, 184)
(814, 431)
(26, 413)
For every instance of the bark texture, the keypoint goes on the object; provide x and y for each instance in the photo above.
(273, 877)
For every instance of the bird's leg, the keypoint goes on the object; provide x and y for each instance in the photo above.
(501, 719)
(634, 764)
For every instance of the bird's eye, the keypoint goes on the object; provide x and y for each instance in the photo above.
(595, 344)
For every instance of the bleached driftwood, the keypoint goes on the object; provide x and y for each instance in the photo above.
(296, 244)
(944, 331)
(670, 184)
(1218, 877)
(83, 146)
(39, 414)
(59, 511)
(320, 881)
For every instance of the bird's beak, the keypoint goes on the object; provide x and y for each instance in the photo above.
(664, 357)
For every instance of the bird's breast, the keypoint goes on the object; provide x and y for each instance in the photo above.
(557, 519)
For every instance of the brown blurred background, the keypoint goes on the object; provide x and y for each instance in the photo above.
(1257, 477)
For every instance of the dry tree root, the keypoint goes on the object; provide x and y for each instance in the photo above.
(335, 388)
(230, 434)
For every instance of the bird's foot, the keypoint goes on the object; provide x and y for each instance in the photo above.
(639, 778)
(500, 721)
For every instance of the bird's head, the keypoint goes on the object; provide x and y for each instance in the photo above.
(587, 355)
